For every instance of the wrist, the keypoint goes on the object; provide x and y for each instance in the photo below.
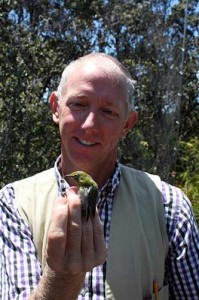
(58, 286)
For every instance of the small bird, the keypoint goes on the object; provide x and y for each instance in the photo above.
(87, 191)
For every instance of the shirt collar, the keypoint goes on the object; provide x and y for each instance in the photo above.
(61, 182)
(113, 181)
(109, 187)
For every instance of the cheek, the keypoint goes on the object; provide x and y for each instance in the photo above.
(115, 131)
(113, 136)
(66, 120)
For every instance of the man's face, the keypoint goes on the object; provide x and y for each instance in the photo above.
(92, 117)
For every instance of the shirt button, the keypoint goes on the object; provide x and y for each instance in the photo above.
(83, 292)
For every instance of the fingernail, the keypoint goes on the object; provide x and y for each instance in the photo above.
(72, 189)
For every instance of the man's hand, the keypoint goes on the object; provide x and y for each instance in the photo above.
(73, 248)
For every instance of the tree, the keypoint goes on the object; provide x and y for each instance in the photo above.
(187, 170)
(38, 38)
(150, 38)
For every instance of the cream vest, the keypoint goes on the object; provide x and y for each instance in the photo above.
(138, 240)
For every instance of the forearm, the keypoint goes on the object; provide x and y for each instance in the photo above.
(54, 286)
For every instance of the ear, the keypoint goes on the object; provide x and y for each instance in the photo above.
(130, 123)
(54, 105)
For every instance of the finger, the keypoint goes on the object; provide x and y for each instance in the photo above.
(73, 261)
(87, 249)
(72, 189)
(57, 233)
(98, 240)
(73, 246)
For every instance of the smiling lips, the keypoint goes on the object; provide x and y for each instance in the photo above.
(86, 143)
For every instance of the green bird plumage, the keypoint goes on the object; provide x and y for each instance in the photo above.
(87, 191)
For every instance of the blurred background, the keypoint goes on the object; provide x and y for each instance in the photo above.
(158, 42)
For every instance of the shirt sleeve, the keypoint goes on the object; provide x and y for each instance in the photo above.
(20, 270)
(183, 255)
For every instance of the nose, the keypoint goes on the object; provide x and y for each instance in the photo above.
(90, 123)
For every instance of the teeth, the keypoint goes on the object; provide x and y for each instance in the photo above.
(86, 143)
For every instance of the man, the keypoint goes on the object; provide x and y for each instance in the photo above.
(143, 236)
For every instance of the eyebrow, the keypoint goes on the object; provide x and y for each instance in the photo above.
(83, 96)
(111, 103)
(76, 96)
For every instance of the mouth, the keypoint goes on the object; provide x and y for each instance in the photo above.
(86, 143)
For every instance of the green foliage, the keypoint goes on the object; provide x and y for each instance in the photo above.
(130, 149)
(38, 38)
(148, 37)
(188, 171)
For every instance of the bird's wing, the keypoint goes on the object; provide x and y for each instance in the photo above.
(88, 197)
(92, 199)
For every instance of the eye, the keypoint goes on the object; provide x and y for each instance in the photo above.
(76, 105)
(110, 113)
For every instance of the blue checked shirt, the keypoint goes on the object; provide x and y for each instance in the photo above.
(20, 270)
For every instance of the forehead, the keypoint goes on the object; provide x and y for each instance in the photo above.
(103, 63)
(99, 73)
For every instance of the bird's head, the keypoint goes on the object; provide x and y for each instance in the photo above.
(82, 179)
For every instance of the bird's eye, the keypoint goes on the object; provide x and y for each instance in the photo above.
(76, 176)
